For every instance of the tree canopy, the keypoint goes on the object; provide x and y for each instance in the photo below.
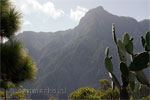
(15, 66)
(10, 19)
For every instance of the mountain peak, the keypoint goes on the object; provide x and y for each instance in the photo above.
(100, 8)
(93, 15)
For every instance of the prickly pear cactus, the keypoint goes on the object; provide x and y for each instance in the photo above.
(132, 72)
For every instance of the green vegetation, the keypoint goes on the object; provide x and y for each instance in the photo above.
(84, 93)
(16, 65)
(129, 72)
(52, 98)
(15, 95)
(10, 19)
(104, 92)
(130, 88)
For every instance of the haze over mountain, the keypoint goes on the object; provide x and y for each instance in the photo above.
(75, 58)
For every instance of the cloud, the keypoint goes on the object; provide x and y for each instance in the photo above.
(50, 9)
(25, 22)
(78, 13)
(30, 6)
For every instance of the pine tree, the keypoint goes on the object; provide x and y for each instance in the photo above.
(15, 65)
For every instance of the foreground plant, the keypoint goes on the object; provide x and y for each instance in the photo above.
(15, 65)
(134, 70)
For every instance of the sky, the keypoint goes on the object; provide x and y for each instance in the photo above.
(56, 15)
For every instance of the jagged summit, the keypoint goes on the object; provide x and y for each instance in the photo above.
(100, 8)
(95, 14)
(97, 10)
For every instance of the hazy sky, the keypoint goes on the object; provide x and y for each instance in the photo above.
(54, 15)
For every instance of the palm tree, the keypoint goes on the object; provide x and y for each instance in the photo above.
(15, 65)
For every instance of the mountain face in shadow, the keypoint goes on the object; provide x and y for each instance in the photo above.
(75, 58)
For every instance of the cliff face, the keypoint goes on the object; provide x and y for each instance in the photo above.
(75, 58)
